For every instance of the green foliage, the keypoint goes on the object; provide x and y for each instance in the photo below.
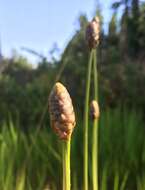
(122, 155)
(24, 91)
(112, 26)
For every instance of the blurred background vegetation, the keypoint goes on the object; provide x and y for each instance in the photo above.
(24, 92)
(24, 89)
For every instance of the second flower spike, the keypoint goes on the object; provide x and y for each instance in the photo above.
(94, 110)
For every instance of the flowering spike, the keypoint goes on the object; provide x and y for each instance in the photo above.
(94, 110)
(92, 33)
(61, 110)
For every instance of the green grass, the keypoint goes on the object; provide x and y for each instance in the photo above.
(121, 155)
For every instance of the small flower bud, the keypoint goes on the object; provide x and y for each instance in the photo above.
(61, 111)
(94, 110)
(93, 32)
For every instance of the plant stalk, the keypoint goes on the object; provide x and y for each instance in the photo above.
(86, 113)
(95, 129)
(66, 165)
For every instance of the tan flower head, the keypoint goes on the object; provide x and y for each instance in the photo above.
(94, 110)
(61, 111)
(93, 32)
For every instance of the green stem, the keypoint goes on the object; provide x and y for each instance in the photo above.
(95, 130)
(66, 165)
(95, 155)
(95, 75)
(86, 111)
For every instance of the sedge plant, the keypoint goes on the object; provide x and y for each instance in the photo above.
(86, 111)
(95, 127)
(92, 37)
(95, 116)
(62, 119)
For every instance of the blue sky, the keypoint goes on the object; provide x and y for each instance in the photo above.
(39, 24)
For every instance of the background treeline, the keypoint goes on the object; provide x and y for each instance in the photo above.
(24, 90)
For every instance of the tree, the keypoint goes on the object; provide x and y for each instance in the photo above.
(133, 30)
(135, 9)
(113, 26)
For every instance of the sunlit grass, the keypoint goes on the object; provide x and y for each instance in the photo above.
(121, 155)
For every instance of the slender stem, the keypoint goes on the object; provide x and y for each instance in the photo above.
(95, 130)
(85, 180)
(66, 165)
(95, 155)
(95, 75)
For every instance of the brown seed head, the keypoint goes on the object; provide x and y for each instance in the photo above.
(93, 32)
(94, 110)
(61, 111)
